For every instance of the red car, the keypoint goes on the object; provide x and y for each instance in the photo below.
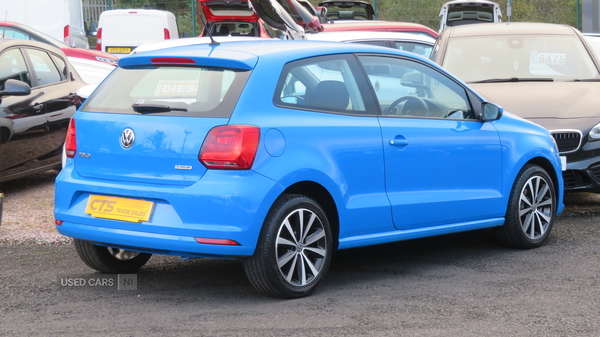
(237, 18)
(372, 25)
(22, 32)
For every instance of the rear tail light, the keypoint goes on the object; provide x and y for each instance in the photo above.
(230, 147)
(71, 141)
(99, 39)
(167, 34)
(66, 32)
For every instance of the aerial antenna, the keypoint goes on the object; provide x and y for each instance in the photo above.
(208, 29)
(4, 28)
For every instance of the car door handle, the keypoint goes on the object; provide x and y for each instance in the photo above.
(398, 142)
(38, 107)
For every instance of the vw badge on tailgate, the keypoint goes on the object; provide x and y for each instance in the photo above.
(127, 138)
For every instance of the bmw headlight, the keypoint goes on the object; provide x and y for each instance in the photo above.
(594, 133)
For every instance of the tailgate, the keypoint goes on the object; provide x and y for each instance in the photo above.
(164, 149)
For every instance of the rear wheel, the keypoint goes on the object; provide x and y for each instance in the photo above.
(531, 210)
(110, 260)
(294, 249)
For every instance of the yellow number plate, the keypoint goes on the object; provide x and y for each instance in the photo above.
(119, 50)
(114, 208)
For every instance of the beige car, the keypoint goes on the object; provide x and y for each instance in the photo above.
(546, 73)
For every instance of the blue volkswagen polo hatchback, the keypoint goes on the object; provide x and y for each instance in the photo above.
(279, 153)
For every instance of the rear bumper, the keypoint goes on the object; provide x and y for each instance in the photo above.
(153, 243)
(229, 205)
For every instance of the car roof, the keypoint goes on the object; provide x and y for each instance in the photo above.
(467, 1)
(510, 28)
(161, 44)
(6, 43)
(375, 25)
(369, 35)
(245, 54)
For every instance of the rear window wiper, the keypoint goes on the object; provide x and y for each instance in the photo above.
(515, 79)
(154, 108)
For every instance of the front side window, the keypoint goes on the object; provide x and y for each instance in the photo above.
(12, 66)
(406, 88)
(44, 67)
(519, 56)
(168, 90)
(321, 83)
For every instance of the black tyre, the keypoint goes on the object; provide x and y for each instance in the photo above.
(531, 210)
(294, 249)
(110, 260)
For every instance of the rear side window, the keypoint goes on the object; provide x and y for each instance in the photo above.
(177, 91)
(325, 83)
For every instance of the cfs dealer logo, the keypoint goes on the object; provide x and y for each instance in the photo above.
(99, 281)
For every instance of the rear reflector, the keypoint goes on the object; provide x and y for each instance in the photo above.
(230, 147)
(224, 242)
(172, 60)
(58, 222)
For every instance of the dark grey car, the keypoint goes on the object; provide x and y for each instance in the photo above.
(546, 73)
(38, 97)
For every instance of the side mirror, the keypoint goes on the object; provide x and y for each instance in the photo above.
(93, 29)
(14, 87)
(413, 79)
(491, 111)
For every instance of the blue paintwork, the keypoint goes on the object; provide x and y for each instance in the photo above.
(452, 176)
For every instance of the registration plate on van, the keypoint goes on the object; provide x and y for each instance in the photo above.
(114, 208)
(119, 50)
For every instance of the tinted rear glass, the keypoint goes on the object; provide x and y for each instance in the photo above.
(195, 92)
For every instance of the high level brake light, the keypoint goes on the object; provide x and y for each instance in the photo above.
(230, 147)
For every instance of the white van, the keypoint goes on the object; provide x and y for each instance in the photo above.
(61, 19)
(121, 30)
(462, 12)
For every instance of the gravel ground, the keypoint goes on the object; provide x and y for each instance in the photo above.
(27, 216)
(29, 202)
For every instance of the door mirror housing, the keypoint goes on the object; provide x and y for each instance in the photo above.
(14, 87)
(93, 31)
(491, 111)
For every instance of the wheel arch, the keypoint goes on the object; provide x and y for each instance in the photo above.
(322, 196)
(546, 165)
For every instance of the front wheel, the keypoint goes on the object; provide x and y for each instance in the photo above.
(294, 249)
(531, 210)
(110, 260)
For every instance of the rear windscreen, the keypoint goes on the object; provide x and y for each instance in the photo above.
(167, 90)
